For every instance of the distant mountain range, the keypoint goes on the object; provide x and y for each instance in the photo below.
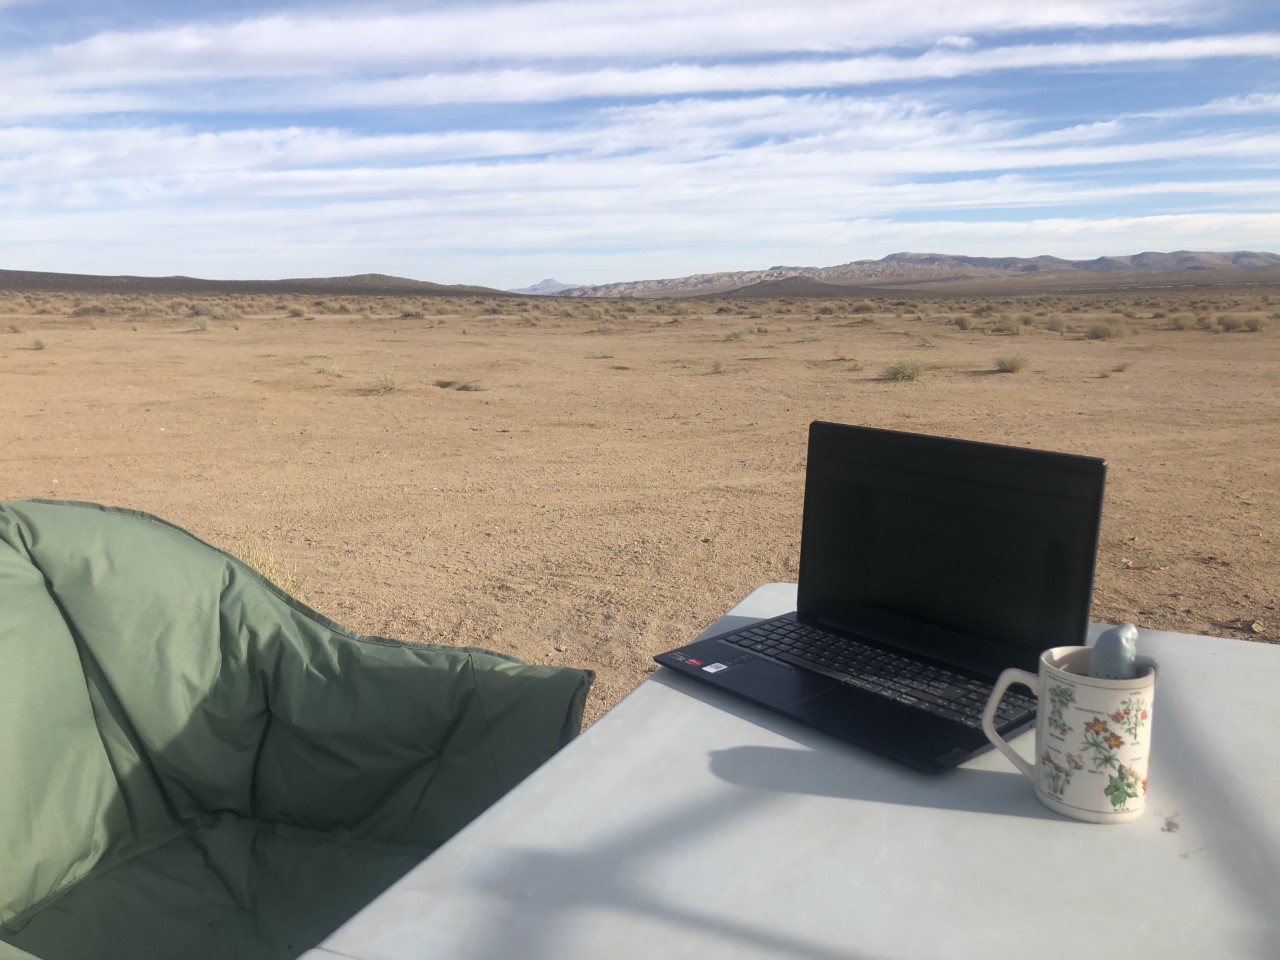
(367, 284)
(546, 288)
(899, 273)
(931, 272)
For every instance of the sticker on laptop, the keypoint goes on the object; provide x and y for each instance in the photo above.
(715, 667)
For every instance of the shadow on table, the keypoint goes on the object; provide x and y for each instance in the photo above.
(788, 770)
(544, 891)
(872, 778)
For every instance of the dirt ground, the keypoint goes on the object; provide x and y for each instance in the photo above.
(593, 482)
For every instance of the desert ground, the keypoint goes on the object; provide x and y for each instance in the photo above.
(591, 482)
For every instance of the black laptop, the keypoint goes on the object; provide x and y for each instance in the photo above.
(927, 566)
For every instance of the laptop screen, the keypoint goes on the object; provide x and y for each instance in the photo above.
(977, 554)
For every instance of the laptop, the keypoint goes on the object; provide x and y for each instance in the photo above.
(927, 566)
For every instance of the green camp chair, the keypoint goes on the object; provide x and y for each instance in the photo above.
(195, 765)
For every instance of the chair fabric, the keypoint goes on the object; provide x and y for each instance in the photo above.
(195, 764)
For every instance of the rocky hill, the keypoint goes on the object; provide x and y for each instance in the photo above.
(365, 284)
(900, 270)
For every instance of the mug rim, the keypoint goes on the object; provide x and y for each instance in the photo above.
(1146, 672)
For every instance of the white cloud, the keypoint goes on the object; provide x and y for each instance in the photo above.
(585, 30)
(123, 79)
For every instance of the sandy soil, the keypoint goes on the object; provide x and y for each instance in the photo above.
(590, 483)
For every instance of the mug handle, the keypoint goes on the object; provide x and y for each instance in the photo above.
(1007, 679)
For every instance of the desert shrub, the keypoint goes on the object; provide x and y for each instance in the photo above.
(863, 308)
(1010, 364)
(295, 311)
(37, 344)
(262, 558)
(1180, 321)
(1055, 325)
(89, 310)
(1230, 324)
(983, 311)
(963, 322)
(1204, 321)
(1007, 325)
(1121, 367)
(717, 366)
(386, 383)
(902, 370)
(1254, 324)
(1104, 330)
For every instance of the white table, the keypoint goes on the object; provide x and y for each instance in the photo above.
(687, 824)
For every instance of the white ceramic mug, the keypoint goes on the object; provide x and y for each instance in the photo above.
(1093, 736)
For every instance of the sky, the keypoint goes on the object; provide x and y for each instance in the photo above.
(605, 140)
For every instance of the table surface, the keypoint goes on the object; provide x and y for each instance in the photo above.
(687, 823)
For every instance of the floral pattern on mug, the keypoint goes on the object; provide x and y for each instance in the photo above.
(1123, 786)
(1102, 742)
(1061, 696)
(1133, 716)
(1057, 777)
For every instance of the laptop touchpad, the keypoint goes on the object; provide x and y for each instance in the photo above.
(775, 684)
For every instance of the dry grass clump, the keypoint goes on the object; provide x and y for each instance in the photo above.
(1010, 364)
(1107, 329)
(259, 555)
(963, 321)
(903, 370)
(1008, 326)
(384, 384)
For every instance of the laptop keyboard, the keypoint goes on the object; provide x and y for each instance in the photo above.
(912, 682)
